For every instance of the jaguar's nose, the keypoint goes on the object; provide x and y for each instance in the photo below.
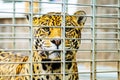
(57, 42)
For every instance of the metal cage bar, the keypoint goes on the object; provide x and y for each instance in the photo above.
(93, 26)
(63, 36)
(93, 63)
(31, 40)
(118, 36)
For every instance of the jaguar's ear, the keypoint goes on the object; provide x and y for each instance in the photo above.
(28, 17)
(81, 18)
(34, 20)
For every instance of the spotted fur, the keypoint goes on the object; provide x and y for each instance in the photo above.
(48, 54)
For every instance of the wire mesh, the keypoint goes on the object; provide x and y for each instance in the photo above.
(98, 57)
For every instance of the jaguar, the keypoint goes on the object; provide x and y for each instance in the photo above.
(57, 37)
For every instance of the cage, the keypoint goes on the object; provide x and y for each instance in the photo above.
(98, 56)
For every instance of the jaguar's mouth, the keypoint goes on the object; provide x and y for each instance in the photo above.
(51, 54)
(54, 54)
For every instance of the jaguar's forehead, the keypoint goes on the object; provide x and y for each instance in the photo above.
(55, 19)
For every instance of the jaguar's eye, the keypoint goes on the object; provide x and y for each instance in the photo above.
(46, 29)
(68, 29)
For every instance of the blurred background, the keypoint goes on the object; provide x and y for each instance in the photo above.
(99, 53)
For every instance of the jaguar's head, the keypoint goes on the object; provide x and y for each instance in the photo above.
(52, 33)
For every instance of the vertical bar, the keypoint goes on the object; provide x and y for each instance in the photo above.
(31, 37)
(66, 7)
(13, 28)
(63, 34)
(13, 22)
(40, 6)
(93, 40)
(118, 36)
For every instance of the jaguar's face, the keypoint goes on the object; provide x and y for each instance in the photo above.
(49, 41)
(51, 38)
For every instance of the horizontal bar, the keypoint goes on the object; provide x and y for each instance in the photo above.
(104, 51)
(107, 32)
(101, 33)
(114, 71)
(109, 6)
(85, 42)
(100, 24)
(61, 38)
(89, 72)
(60, 61)
(29, 74)
(12, 12)
(81, 50)
(15, 25)
(11, 33)
(20, 62)
(15, 38)
(78, 38)
(108, 60)
(19, 1)
(115, 51)
(28, 13)
(86, 72)
(97, 5)
(99, 60)
(116, 17)
(13, 75)
(15, 49)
